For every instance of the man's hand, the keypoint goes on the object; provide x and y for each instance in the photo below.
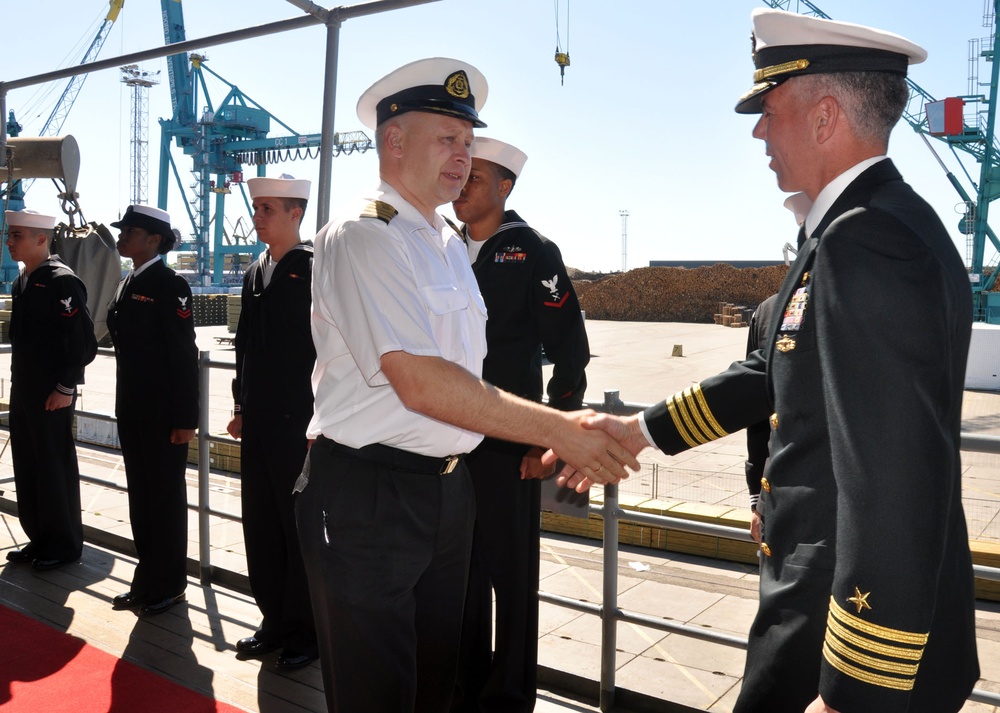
(532, 467)
(235, 427)
(755, 526)
(818, 706)
(626, 433)
(57, 400)
(180, 436)
(589, 451)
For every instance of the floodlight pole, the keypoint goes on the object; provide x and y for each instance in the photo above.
(624, 215)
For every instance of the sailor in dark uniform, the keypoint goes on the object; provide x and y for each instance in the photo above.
(866, 589)
(52, 340)
(531, 303)
(273, 404)
(151, 323)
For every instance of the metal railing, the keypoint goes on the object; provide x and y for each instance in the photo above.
(610, 511)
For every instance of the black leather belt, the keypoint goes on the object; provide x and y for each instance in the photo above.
(395, 457)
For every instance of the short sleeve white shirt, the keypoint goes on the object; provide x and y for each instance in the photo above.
(379, 287)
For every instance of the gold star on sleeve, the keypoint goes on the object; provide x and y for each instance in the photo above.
(860, 600)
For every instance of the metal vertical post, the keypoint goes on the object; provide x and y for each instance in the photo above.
(204, 538)
(609, 606)
(333, 23)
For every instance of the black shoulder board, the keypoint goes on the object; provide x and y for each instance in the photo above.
(453, 226)
(381, 210)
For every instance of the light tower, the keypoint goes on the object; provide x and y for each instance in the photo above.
(140, 81)
(624, 215)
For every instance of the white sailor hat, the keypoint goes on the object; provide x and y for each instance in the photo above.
(510, 157)
(29, 219)
(284, 186)
(148, 218)
(437, 85)
(786, 45)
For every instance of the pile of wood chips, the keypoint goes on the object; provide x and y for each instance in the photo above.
(674, 294)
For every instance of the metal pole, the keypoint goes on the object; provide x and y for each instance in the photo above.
(609, 608)
(326, 132)
(204, 541)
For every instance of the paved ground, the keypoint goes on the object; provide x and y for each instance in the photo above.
(632, 358)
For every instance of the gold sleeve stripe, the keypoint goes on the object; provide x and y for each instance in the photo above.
(898, 684)
(679, 424)
(866, 644)
(704, 409)
(692, 417)
(686, 408)
(887, 665)
(897, 636)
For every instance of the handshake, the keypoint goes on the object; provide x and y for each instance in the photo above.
(595, 448)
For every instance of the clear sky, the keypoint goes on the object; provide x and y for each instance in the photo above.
(644, 122)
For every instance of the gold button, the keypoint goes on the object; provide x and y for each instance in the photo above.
(774, 420)
(765, 484)
(765, 549)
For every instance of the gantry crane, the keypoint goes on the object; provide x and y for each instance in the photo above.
(978, 140)
(13, 194)
(220, 139)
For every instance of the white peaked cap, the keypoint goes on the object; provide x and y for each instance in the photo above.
(284, 186)
(29, 219)
(787, 45)
(510, 157)
(437, 85)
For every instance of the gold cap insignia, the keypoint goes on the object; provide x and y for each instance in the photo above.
(774, 420)
(785, 344)
(457, 84)
(765, 484)
(765, 549)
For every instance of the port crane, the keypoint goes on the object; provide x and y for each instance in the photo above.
(220, 139)
(13, 194)
(976, 138)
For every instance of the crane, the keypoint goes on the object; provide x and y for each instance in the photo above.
(978, 141)
(14, 193)
(220, 139)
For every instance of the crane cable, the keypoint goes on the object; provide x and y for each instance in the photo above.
(562, 58)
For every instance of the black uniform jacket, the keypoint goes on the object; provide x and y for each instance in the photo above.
(51, 332)
(758, 434)
(274, 347)
(530, 301)
(152, 325)
(864, 371)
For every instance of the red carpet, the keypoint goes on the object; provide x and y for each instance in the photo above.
(43, 670)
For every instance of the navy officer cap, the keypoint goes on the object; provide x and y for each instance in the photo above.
(786, 45)
(437, 85)
(152, 220)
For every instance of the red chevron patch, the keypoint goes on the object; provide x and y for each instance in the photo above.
(560, 303)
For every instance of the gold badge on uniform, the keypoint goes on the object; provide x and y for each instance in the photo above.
(785, 344)
(860, 600)
(457, 84)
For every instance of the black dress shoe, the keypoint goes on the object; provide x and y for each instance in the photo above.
(161, 606)
(128, 600)
(290, 659)
(252, 646)
(49, 564)
(20, 556)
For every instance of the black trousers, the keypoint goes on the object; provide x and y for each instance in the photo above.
(273, 449)
(386, 551)
(504, 677)
(157, 506)
(46, 476)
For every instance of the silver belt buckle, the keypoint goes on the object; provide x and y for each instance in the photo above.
(450, 463)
